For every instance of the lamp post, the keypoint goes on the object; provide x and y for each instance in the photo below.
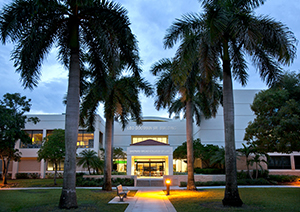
(168, 183)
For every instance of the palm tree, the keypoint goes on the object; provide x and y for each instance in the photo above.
(247, 151)
(226, 31)
(195, 97)
(76, 27)
(87, 159)
(120, 97)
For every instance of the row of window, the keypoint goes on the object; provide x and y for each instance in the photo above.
(85, 139)
(283, 162)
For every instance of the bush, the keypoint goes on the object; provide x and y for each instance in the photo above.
(180, 173)
(244, 174)
(22, 176)
(209, 171)
(183, 184)
(283, 178)
(118, 173)
(259, 181)
(34, 175)
(51, 175)
(210, 183)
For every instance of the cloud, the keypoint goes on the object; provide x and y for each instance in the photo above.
(149, 22)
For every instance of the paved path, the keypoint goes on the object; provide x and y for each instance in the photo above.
(146, 200)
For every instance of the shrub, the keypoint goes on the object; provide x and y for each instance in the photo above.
(180, 173)
(244, 174)
(118, 173)
(34, 175)
(51, 175)
(259, 181)
(209, 171)
(183, 184)
(210, 183)
(283, 178)
(22, 176)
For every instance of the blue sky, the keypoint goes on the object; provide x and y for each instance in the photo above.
(149, 21)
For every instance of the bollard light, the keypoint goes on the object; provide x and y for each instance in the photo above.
(168, 183)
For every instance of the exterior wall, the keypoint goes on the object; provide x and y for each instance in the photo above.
(29, 163)
(211, 131)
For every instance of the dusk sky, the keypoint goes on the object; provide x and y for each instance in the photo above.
(149, 21)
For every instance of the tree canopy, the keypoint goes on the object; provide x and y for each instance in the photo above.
(212, 156)
(53, 149)
(12, 121)
(276, 127)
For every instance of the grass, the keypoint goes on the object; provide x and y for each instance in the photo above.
(47, 200)
(255, 199)
(22, 183)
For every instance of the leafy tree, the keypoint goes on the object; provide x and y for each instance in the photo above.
(88, 159)
(196, 97)
(276, 127)
(210, 155)
(76, 27)
(225, 32)
(12, 121)
(53, 149)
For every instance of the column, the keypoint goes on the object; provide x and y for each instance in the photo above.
(292, 161)
(129, 165)
(170, 157)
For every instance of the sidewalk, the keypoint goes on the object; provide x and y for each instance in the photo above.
(146, 200)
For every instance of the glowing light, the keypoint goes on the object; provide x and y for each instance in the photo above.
(168, 181)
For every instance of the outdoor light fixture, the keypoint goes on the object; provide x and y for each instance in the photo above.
(168, 183)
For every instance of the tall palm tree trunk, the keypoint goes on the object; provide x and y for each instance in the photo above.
(68, 197)
(231, 197)
(107, 166)
(189, 142)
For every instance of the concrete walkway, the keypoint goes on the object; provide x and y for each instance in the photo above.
(146, 200)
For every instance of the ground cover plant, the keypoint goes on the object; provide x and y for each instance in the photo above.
(46, 200)
(255, 199)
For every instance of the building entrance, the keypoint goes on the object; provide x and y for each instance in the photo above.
(150, 168)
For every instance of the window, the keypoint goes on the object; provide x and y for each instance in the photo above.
(297, 162)
(279, 162)
(85, 139)
(60, 166)
(159, 138)
(36, 139)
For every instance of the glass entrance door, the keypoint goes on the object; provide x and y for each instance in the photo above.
(150, 169)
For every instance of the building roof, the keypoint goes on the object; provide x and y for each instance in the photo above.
(149, 142)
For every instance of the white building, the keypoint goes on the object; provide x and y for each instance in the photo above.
(149, 147)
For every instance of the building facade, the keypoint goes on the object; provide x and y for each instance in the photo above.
(150, 147)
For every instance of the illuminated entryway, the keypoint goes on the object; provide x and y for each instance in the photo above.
(149, 167)
(150, 159)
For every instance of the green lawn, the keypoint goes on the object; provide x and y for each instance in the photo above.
(21, 183)
(47, 200)
(255, 199)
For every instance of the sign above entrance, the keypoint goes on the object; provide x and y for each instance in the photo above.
(149, 151)
(150, 128)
